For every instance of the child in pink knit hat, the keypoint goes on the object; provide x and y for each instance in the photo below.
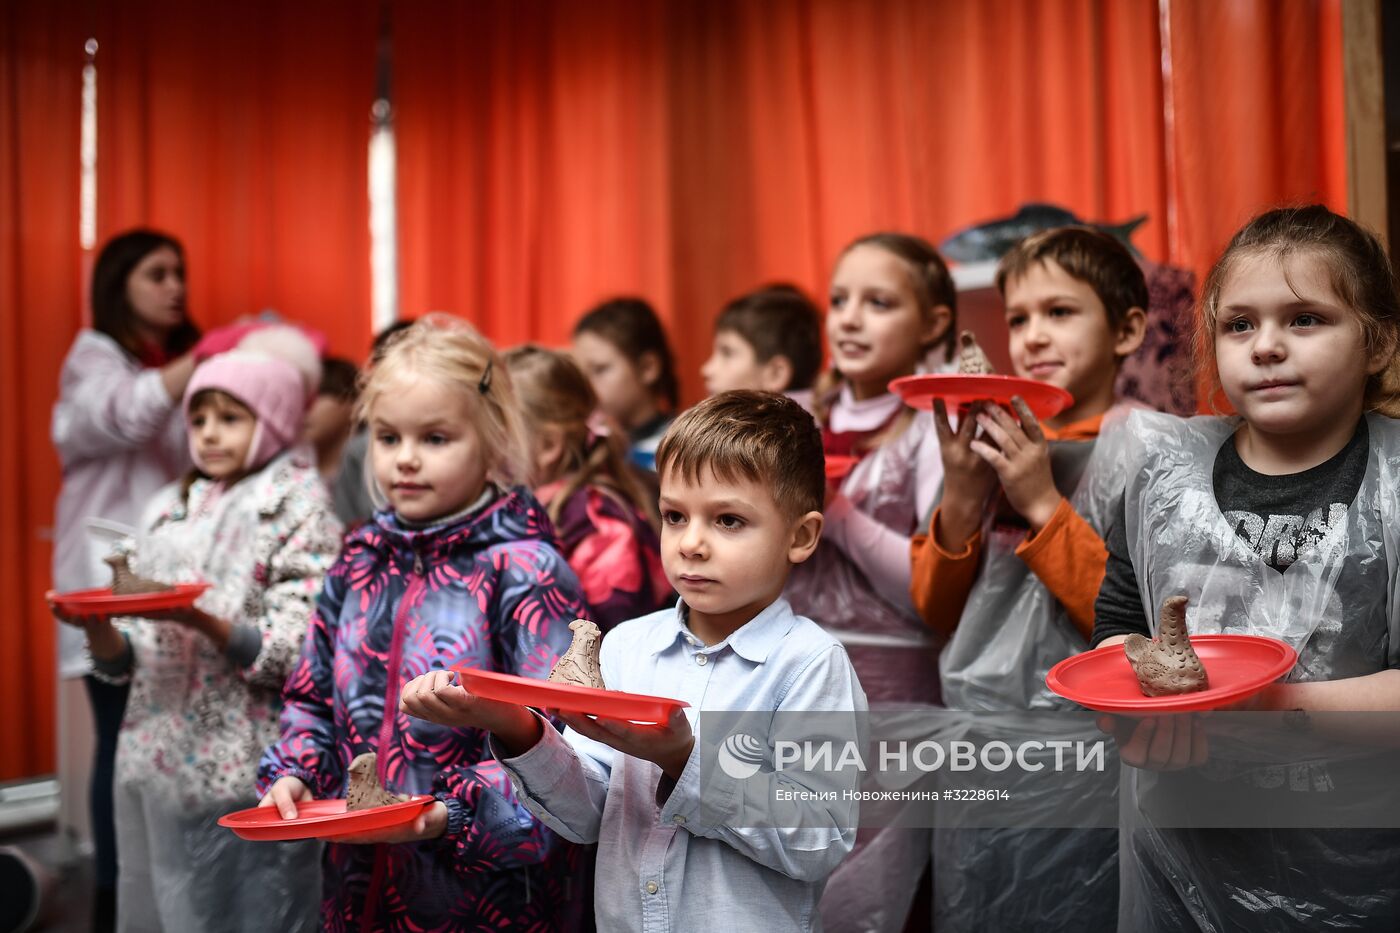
(254, 521)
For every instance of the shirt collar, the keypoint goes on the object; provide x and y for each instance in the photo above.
(753, 641)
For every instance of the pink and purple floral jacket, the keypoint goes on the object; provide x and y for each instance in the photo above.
(491, 591)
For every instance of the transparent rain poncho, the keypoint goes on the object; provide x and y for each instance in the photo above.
(1337, 606)
(1011, 632)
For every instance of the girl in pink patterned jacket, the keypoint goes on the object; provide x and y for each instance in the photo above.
(253, 521)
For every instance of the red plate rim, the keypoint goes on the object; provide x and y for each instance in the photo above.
(96, 599)
(1045, 400)
(253, 818)
(573, 690)
(1187, 702)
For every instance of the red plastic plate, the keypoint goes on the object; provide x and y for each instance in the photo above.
(1238, 666)
(1045, 400)
(101, 602)
(838, 467)
(543, 694)
(321, 819)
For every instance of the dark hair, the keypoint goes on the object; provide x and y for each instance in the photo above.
(1091, 256)
(765, 438)
(778, 320)
(381, 339)
(112, 313)
(1359, 270)
(552, 390)
(339, 379)
(631, 325)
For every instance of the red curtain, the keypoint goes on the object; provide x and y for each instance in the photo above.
(553, 153)
(1255, 115)
(41, 59)
(243, 129)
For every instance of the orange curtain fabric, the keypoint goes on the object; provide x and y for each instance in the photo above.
(688, 152)
(1255, 116)
(41, 59)
(243, 129)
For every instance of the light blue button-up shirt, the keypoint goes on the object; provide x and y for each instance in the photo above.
(681, 866)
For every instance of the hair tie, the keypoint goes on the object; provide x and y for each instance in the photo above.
(484, 385)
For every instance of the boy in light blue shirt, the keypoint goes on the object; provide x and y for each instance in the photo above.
(742, 485)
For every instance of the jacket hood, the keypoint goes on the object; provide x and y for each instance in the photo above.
(513, 516)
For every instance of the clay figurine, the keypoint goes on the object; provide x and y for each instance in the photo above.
(579, 665)
(1167, 665)
(971, 360)
(365, 791)
(126, 583)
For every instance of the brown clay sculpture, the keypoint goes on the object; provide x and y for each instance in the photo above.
(365, 791)
(126, 583)
(971, 360)
(1167, 665)
(579, 665)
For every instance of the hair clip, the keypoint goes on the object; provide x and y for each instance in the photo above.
(485, 384)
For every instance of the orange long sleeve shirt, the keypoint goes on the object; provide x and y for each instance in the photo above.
(1067, 555)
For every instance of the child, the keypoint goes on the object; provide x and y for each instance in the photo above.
(892, 306)
(331, 418)
(622, 347)
(1014, 556)
(254, 521)
(603, 512)
(741, 489)
(120, 437)
(768, 340)
(459, 569)
(1277, 522)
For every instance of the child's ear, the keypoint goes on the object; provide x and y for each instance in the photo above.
(806, 534)
(776, 374)
(940, 318)
(1383, 353)
(649, 368)
(1132, 330)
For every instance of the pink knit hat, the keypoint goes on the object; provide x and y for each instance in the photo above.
(275, 375)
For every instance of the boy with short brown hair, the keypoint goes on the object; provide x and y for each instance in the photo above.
(742, 483)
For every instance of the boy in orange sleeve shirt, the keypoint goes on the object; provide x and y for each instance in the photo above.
(1011, 567)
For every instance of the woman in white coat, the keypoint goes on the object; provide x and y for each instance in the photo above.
(120, 437)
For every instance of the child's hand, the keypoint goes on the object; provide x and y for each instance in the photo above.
(284, 794)
(1159, 743)
(967, 479)
(430, 824)
(435, 696)
(669, 744)
(85, 622)
(1021, 459)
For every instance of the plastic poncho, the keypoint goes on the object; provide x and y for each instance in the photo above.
(196, 723)
(1011, 632)
(1337, 606)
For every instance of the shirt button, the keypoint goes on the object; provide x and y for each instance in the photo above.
(678, 819)
(702, 659)
(652, 887)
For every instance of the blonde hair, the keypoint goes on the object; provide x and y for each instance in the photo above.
(448, 349)
(554, 392)
(1358, 269)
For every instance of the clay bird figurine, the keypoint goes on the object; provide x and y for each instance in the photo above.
(971, 360)
(365, 791)
(1167, 665)
(579, 665)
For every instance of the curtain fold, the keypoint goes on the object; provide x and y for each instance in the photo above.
(41, 60)
(243, 129)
